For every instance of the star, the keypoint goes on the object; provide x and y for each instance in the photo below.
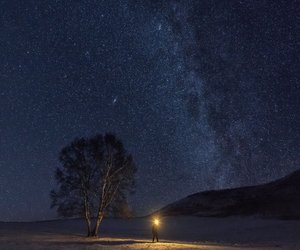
(115, 100)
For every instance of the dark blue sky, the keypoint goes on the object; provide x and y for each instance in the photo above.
(204, 94)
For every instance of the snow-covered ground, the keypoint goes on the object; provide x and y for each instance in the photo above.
(175, 233)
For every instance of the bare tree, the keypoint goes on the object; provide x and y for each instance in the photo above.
(95, 178)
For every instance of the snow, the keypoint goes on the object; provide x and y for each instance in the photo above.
(231, 233)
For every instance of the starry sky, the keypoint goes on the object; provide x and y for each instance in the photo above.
(204, 94)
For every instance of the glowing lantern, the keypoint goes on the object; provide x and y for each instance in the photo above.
(156, 222)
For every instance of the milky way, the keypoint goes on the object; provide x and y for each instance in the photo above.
(204, 94)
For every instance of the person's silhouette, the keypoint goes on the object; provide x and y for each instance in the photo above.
(155, 230)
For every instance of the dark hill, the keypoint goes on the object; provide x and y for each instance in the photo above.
(277, 199)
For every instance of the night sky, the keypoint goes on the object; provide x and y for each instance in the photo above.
(204, 94)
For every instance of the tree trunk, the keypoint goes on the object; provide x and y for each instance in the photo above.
(98, 222)
(87, 216)
(88, 223)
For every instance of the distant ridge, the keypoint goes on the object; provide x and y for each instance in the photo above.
(277, 199)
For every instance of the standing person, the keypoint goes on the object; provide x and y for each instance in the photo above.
(155, 224)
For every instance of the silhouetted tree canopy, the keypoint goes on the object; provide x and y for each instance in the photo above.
(94, 179)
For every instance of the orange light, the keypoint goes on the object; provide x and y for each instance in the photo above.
(156, 222)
